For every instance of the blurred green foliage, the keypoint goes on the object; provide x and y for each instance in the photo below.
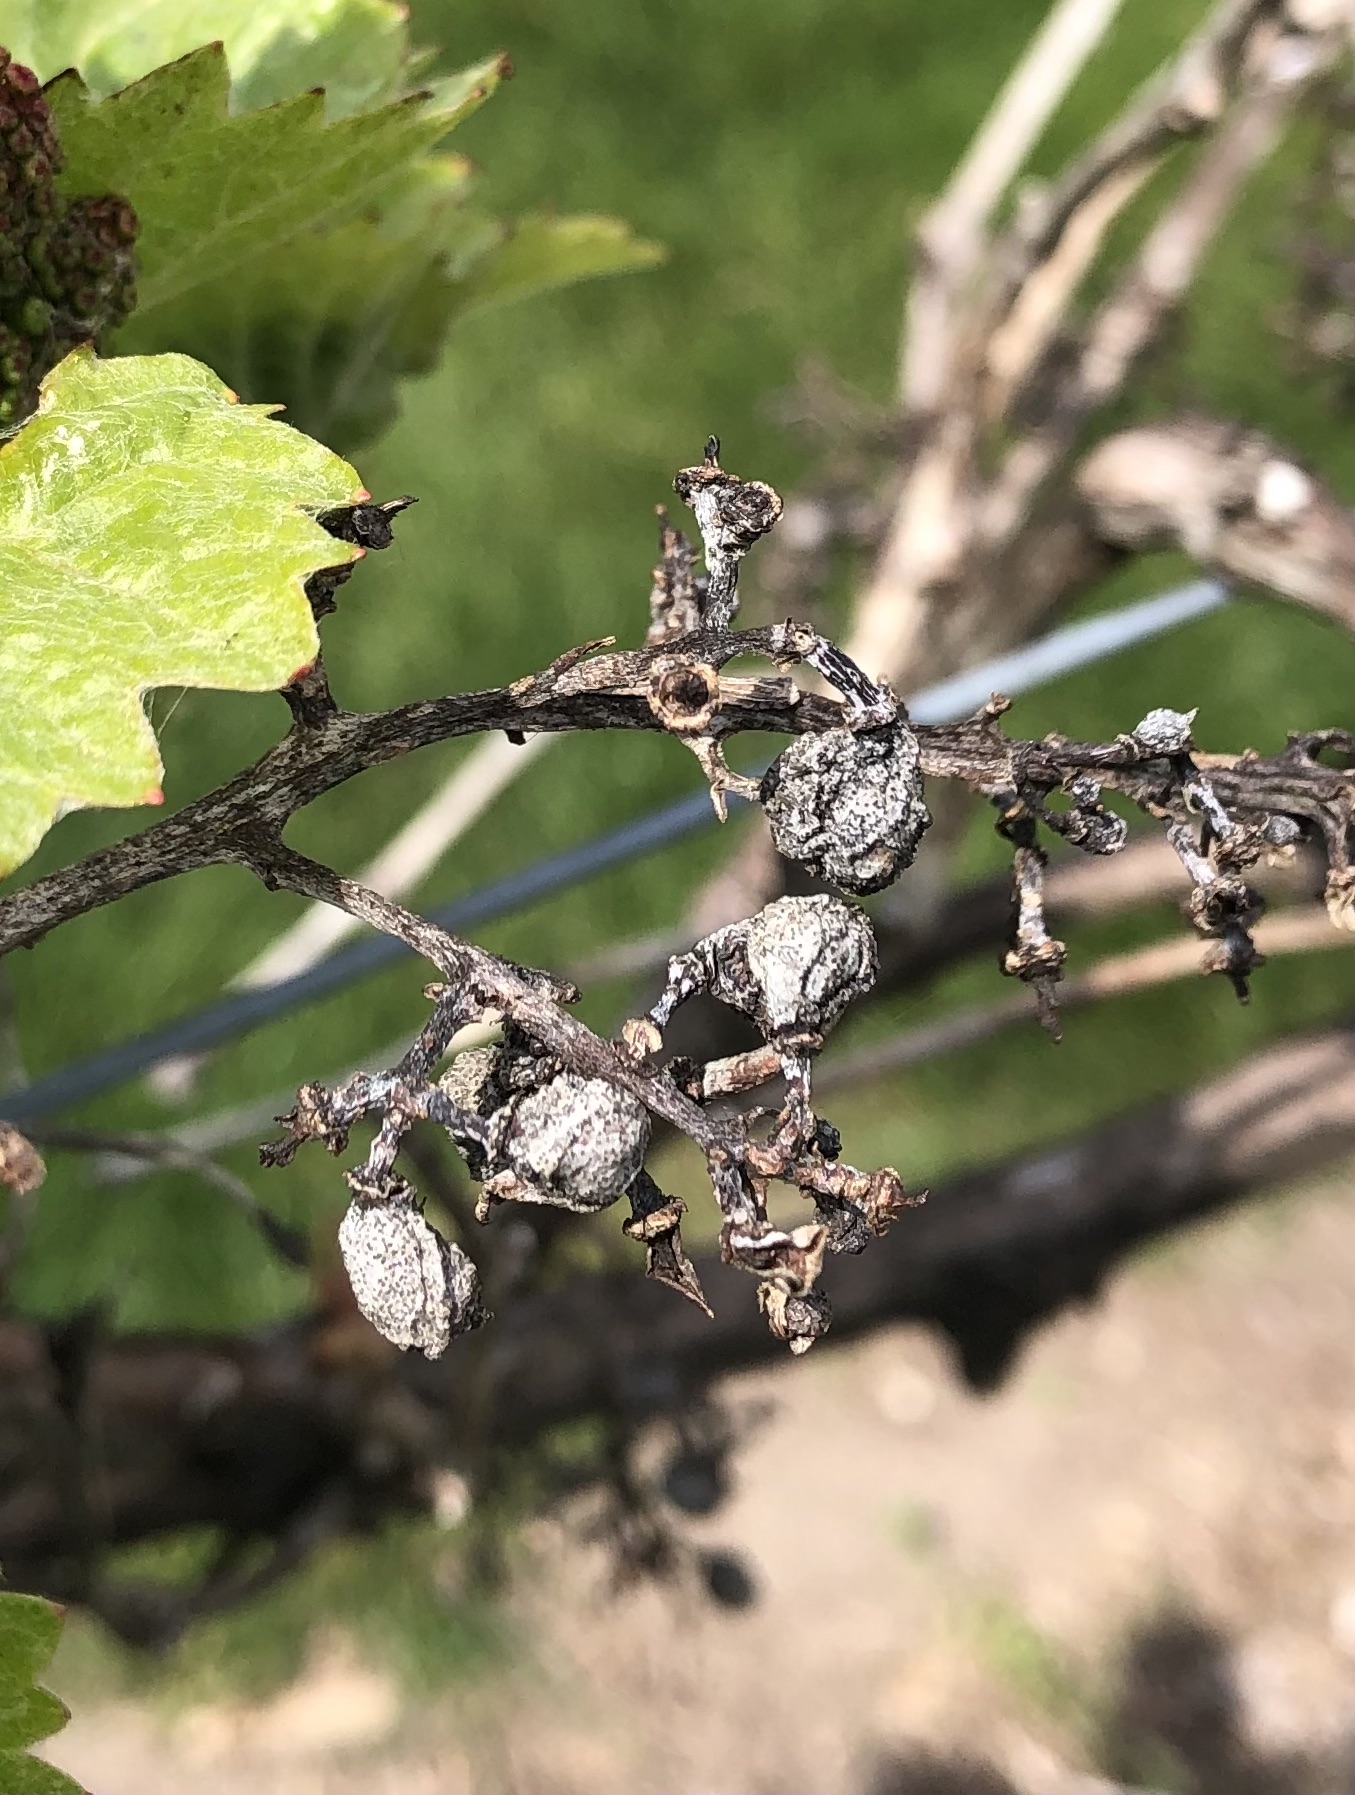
(779, 156)
(1019, 1655)
(294, 231)
(404, 1584)
(355, 50)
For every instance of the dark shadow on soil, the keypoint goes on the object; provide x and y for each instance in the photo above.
(1173, 1724)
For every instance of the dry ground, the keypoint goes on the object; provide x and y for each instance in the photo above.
(1131, 1566)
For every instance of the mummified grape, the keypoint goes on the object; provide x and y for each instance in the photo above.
(847, 805)
(473, 1081)
(578, 1142)
(415, 1288)
(794, 967)
(798, 1319)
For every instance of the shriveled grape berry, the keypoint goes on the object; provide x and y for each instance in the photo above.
(484, 1078)
(798, 1319)
(416, 1289)
(793, 968)
(578, 1142)
(847, 805)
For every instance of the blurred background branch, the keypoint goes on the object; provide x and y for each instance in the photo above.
(262, 1436)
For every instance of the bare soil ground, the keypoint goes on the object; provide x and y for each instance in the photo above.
(1129, 1568)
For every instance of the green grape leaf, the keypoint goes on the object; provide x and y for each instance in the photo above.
(374, 253)
(153, 532)
(355, 49)
(214, 189)
(541, 251)
(29, 1630)
(331, 327)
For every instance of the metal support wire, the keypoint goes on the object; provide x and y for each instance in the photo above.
(1062, 651)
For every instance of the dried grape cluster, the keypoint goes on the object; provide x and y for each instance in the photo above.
(67, 267)
(553, 1115)
(532, 1132)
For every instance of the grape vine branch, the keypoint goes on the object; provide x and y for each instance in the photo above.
(556, 1114)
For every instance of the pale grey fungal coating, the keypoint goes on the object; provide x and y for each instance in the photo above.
(1165, 732)
(794, 967)
(483, 1079)
(469, 1079)
(416, 1289)
(578, 1142)
(847, 805)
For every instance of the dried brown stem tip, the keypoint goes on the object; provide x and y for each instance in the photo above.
(732, 515)
(676, 592)
(655, 1222)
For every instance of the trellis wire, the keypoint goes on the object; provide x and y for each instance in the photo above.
(1062, 651)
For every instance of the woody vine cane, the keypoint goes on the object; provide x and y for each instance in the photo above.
(556, 1115)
